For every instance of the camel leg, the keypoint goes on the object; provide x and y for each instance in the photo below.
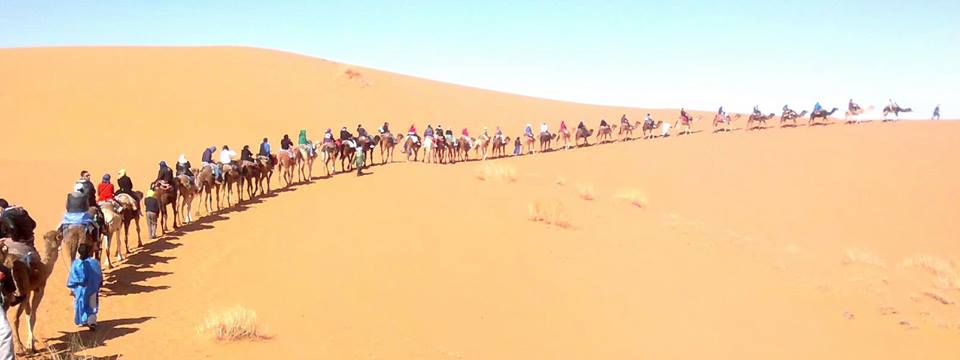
(106, 250)
(32, 315)
(16, 325)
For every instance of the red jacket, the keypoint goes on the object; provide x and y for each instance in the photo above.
(104, 191)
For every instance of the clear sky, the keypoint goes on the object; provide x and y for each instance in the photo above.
(695, 54)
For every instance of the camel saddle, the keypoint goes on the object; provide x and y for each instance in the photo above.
(20, 252)
(163, 184)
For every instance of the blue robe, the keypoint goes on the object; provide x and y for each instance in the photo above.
(85, 280)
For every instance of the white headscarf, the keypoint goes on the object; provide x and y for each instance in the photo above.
(78, 187)
(182, 160)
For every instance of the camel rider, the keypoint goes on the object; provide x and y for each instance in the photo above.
(105, 189)
(544, 129)
(439, 130)
(720, 111)
(563, 127)
(303, 141)
(756, 110)
(384, 129)
(649, 119)
(264, 149)
(226, 158)
(603, 124)
(498, 134)
(246, 154)
(88, 190)
(183, 167)
(207, 160)
(16, 223)
(786, 109)
(852, 106)
(464, 133)
(125, 186)
(78, 213)
(624, 122)
(893, 105)
(361, 132)
(428, 132)
(936, 113)
(528, 131)
(448, 135)
(685, 118)
(817, 107)
(411, 134)
(164, 176)
(286, 143)
(581, 127)
(345, 135)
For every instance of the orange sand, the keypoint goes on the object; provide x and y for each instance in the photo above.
(787, 243)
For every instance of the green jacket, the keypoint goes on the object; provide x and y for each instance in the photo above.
(359, 158)
(303, 138)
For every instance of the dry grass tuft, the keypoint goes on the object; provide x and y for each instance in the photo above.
(72, 350)
(855, 256)
(586, 192)
(234, 324)
(496, 172)
(634, 197)
(945, 272)
(553, 213)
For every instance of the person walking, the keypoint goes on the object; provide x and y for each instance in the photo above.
(84, 282)
(153, 209)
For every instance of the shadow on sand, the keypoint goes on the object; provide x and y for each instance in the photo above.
(69, 344)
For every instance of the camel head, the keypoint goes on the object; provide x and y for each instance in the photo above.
(52, 239)
(832, 111)
(906, 110)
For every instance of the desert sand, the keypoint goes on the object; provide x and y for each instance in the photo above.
(811, 242)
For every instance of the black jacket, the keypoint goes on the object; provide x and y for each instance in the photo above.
(16, 223)
(125, 184)
(165, 174)
(345, 135)
(246, 155)
(286, 143)
(77, 202)
(207, 156)
(90, 192)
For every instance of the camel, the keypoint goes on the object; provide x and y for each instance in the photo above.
(822, 113)
(74, 235)
(186, 191)
(266, 171)
(851, 116)
(440, 149)
(308, 153)
(605, 133)
(499, 146)
(626, 130)
(166, 196)
(481, 145)
(463, 147)
(129, 206)
(650, 127)
(412, 147)
(428, 148)
(545, 141)
(687, 125)
(790, 115)
(113, 221)
(760, 119)
(582, 133)
(565, 136)
(724, 120)
(347, 152)
(207, 184)
(31, 280)
(329, 151)
(895, 110)
(288, 162)
(250, 173)
(387, 143)
(231, 178)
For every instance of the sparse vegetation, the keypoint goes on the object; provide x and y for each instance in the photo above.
(553, 213)
(944, 271)
(634, 197)
(234, 324)
(586, 192)
(496, 172)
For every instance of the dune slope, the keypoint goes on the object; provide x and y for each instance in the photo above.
(826, 242)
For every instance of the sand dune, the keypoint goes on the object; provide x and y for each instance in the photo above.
(826, 242)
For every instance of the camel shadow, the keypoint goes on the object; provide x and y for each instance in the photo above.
(820, 124)
(125, 280)
(788, 126)
(69, 344)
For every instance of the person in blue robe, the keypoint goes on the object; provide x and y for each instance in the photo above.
(84, 281)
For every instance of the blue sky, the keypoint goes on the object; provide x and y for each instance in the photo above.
(695, 54)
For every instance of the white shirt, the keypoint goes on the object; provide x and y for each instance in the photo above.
(666, 128)
(543, 128)
(226, 156)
